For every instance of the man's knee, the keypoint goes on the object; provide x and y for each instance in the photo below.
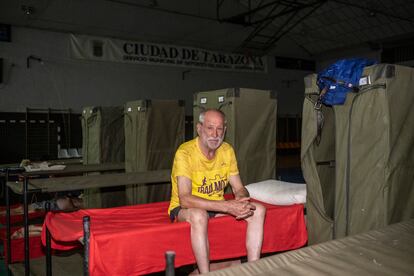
(260, 211)
(197, 216)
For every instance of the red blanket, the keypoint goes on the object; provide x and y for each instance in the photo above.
(17, 246)
(132, 240)
(19, 218)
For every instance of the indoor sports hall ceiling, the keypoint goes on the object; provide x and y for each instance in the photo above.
(263, 27)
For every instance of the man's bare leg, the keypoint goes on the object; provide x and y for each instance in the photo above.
(254, 234)
(198, 220)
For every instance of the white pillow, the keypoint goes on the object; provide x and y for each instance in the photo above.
(278, 192)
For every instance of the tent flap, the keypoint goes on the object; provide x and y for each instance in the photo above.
(103, 142)
(153, 131)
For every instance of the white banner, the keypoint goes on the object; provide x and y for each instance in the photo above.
(108, 49)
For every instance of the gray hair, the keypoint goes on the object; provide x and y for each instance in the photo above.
(203, 114)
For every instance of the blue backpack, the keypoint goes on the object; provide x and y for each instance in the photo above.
(340, 78)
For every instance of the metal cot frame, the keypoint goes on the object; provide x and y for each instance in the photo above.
(31, 185)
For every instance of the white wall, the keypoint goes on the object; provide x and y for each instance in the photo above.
(62, 82)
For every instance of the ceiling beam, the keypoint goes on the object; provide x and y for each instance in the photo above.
(277, 37)
(157, 8)
(282, 13)
(291, 21)
(378, 11)
(244, 18)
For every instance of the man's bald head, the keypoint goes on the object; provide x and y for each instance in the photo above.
(201, 117)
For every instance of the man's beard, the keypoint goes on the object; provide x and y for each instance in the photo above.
(214, 143)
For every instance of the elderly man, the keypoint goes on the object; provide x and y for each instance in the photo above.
(202, 169)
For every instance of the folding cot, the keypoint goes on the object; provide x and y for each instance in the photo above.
(18, 217)
(285, 225)
(132, 240)
(17, 245)
(30, 184)
(386, 251)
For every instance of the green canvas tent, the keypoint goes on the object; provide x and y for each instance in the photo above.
(103, 142)
(153, 131)
(251, 127)
(358, 158)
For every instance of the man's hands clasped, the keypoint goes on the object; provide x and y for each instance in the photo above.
(241, 208)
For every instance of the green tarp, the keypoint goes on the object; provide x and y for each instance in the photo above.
(251, 127)
(153, 131)
(359, 168)
(103, 142)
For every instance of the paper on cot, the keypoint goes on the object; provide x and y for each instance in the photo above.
(43, 166)
(278, 192)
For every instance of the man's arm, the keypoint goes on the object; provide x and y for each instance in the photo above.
(239, 190)
(241, 194)
(236, 208)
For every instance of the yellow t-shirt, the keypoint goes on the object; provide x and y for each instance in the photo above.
(209, 177)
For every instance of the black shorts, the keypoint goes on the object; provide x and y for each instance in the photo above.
(174, 213)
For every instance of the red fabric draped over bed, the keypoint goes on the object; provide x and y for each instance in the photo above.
(19, 218)
(17, 246)
(132, 240)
